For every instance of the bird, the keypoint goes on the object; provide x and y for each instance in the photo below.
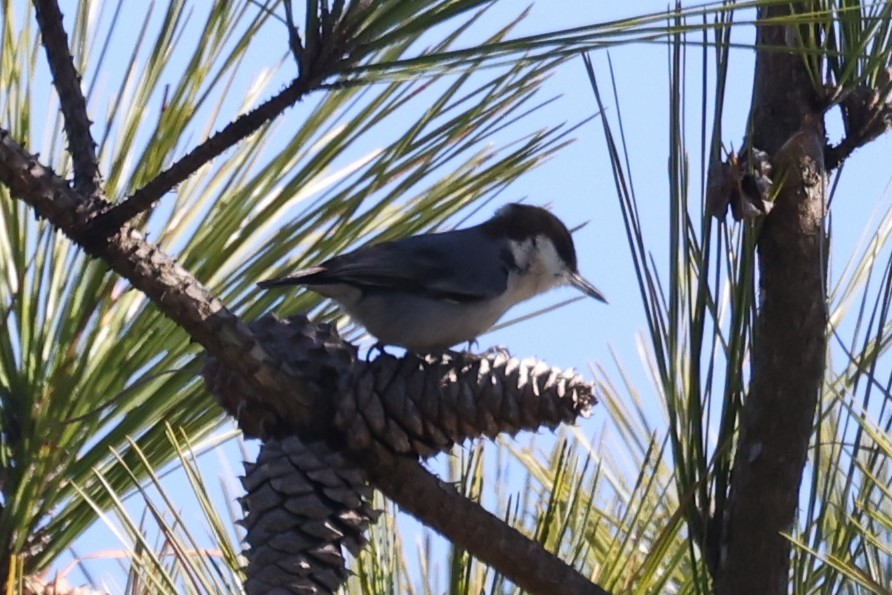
(429, 292)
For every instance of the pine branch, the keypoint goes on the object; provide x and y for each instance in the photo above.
(320, 57)
(468, 525)
(81, 146)
(245, 125)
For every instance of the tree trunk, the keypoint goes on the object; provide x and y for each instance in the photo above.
(788, 351)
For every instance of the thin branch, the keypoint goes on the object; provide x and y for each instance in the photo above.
(438, 505)
(237, 130)
(877, 121)
(294, 42)
(81, 146)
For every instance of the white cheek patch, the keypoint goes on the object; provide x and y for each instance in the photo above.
(549, 262)
(523, 254)
(540, 269)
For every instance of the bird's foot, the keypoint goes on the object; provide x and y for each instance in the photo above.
(498, 350)
(375, 351)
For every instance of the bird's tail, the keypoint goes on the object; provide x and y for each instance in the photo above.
(297, 278)
(270, 283)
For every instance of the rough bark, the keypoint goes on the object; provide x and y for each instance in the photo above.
(71, 99)
(469, 525)
(789, 345)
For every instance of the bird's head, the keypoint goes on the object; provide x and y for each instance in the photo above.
(541, 250)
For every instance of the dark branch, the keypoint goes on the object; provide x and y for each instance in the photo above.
(242, 127)
(873, 121)
(438, 505)
(294, 42)
(325, 49)
(66, 79)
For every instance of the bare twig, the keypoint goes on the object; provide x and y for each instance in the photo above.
(318, 58)
(320, 55)
(66, 79)
(294, 42)
(878, 121)
(240, 128)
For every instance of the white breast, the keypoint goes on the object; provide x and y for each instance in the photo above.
(423, 324)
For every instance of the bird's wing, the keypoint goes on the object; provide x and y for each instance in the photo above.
(460, 269)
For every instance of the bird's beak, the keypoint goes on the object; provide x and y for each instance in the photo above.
(585, 287)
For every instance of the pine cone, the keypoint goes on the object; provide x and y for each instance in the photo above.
(413, 404)
(425, 405)
(305, 507)
(313, 351)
